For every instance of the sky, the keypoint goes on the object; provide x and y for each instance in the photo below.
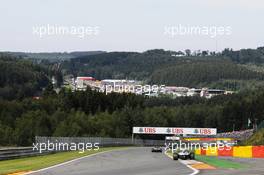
(130, 25)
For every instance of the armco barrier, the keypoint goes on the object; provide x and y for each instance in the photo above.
(203, 151)
(103, 141)
(225, 151)
(198, 151)
(258, 151)
(212, 151)
(236, 151)
(12, 153)
(242, 151)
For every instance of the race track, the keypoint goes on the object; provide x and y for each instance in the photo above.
(132, 161)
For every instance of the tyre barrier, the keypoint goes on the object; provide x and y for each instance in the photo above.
(235, 151)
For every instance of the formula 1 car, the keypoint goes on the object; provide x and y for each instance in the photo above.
(184, 154)
(156, 149)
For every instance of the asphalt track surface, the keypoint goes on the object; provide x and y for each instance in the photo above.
(132, 161)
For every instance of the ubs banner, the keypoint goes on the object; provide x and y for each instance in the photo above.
(175, 131)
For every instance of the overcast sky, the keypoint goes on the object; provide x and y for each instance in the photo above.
(130, 25)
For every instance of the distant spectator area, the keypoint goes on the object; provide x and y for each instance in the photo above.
(240, 135)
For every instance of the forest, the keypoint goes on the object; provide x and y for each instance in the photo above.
(21, 78)
(231, 70)
(91, 113)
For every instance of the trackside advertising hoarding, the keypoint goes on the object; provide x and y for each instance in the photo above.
(174, 131)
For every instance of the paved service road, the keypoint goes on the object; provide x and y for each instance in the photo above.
(132, 161)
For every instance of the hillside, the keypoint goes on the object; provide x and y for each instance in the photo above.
(52, 56)
(91, 113)
(20, 78)
(204, 73)
(256, 139)
(159, 66)
(120, 64)
(243, 56)
(231, 70)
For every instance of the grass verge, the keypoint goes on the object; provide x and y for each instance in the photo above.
(220, 163)
(216, 162)
(39, 162)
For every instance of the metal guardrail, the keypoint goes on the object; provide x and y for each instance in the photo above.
(103, 141)
(19, 152)
(12, 153)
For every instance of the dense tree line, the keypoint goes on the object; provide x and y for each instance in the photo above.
(50, 56)
(245, 55)
(159, 66)
(123, 64)
(204, 73)
(90, 113)
(20, 78)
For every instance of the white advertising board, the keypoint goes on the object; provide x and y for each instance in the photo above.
(172, 138)
(174, 131)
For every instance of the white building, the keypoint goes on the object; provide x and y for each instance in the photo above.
(82, 82)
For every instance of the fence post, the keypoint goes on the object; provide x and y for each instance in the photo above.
(132, 138)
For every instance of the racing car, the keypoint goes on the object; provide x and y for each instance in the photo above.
(183, 154)
(156, 149)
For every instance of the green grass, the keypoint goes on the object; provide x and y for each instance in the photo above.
(216, 162)
(219, 163)
(39, 162)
